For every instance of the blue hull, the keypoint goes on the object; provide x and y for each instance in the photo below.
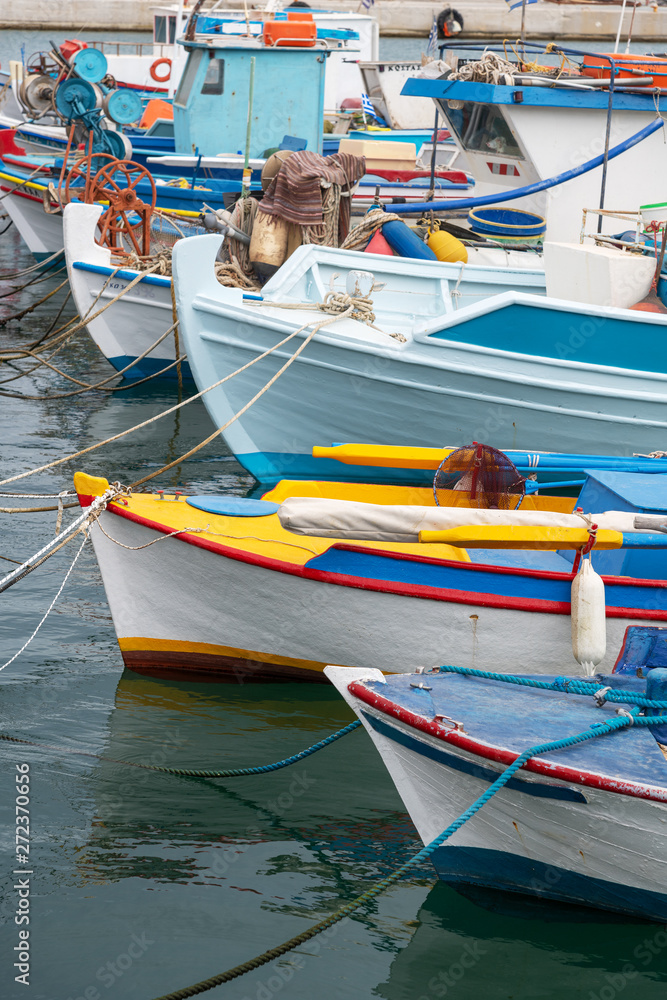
(149, 366)
(511, 873)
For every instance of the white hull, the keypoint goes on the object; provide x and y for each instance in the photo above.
(355, 384)
(616, 841)
(179, 608)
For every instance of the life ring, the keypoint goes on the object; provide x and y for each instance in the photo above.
(154, 70)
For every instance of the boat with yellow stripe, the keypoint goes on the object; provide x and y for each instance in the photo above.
(236, 589)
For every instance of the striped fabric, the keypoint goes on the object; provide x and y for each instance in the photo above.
(295, 193)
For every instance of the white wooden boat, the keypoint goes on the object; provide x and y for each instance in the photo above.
(454, 354)
(274, 589)
(583, 825)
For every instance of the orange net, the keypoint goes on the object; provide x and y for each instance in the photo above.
(478, 476)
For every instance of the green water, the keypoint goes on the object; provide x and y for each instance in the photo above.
(143, 883)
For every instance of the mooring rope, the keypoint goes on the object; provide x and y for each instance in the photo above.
(55, 543)
(31, 308)
(185, 402)
(26, 270)
(602, 729)
(235, 772)
(53, 602)
(102, 386)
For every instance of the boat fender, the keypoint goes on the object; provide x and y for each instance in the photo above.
(589, 623)
(406, 243)
(154, 70)
(449, 23)
(447, 248)
(268, 243)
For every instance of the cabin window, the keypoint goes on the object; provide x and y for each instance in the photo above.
(160, 30)
(188, 78)
(480, 128)
(172, 30)
(215, 77)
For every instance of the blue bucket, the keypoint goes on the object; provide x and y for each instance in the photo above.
(506, 222)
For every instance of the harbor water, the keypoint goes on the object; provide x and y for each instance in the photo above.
(142, 883)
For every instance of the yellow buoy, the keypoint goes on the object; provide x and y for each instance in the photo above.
(447, 248)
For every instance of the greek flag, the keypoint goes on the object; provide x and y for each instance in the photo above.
(367, 4)
(513, 4)
(432, 39)
(367, 106)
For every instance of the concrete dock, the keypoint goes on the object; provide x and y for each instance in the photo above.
(559, 19)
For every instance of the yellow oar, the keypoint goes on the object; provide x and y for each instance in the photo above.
(384, 456)
(491, 536)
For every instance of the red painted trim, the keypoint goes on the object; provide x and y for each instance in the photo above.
(491, 752)
(391, 587)
(537, 574)
(22, 194)
(18, 162)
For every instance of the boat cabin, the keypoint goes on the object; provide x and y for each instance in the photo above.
(211, 105)
(513, 136)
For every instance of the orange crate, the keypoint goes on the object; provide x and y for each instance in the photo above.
(642, 65)
(293, 32)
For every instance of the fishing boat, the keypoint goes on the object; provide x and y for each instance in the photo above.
(583, 825)
(522, 132)
(239, 589)
(131, 323)
(451, 355)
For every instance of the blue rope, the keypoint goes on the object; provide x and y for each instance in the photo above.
(188, 773)
(568, 685)
(600, 729)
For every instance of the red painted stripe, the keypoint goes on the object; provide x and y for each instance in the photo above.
(400, 589)
(491, 752)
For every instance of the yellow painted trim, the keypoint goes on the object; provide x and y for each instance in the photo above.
(140, 644)
(13, 179)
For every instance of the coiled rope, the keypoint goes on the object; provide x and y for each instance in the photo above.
(235, 772)
(609, 726)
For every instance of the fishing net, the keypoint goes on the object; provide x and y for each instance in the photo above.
(478, 476)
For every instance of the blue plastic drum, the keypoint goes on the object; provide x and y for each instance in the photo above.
(506, 222)
(90, 65)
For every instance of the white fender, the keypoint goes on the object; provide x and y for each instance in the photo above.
(589, 623)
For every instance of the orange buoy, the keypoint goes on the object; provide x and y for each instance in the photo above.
(154, 70)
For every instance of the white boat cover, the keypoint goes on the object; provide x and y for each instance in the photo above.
(384, 523)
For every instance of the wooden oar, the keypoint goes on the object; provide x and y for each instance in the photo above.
(386, 456)
(512, 536)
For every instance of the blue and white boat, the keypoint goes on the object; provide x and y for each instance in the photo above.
(455, 353)
(584, 825)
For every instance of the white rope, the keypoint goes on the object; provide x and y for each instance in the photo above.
(26, 567)
(51, 605)
(136, 548)
(489, 69)
(40, 496)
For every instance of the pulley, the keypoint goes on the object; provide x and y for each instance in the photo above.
(114, 143)
(90, 65)
(122, 106)
(37, 92)
(74, 97)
